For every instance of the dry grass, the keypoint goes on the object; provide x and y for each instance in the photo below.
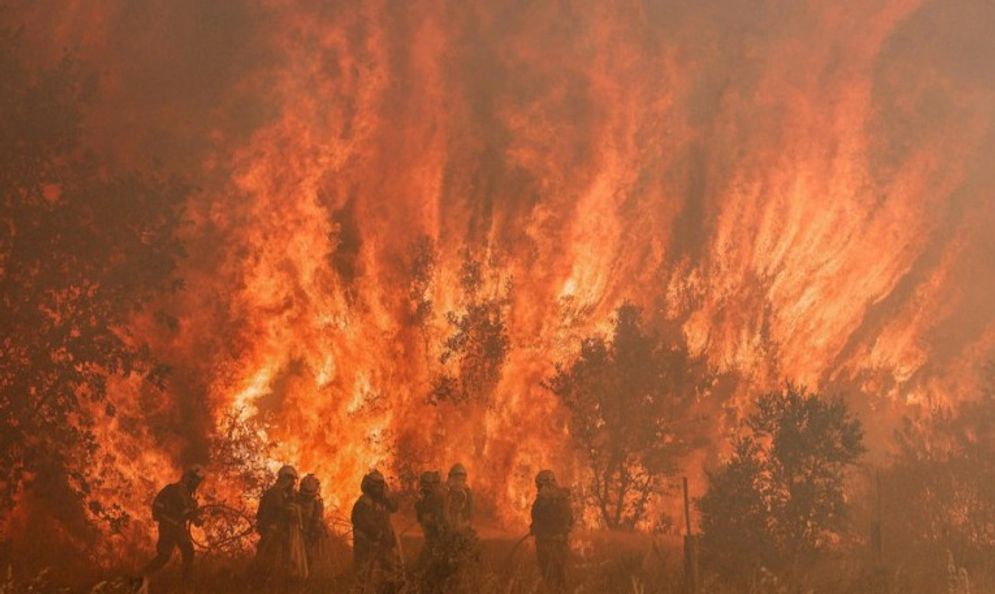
(603, 564)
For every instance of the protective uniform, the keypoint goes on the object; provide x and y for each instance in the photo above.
(316, 540)
(552, 519)
(173, 508)
(451, 543)
(430, 512)
(374, 543)
(459, 500)
(280, 556)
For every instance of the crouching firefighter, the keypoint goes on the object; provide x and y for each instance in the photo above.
(174, 509)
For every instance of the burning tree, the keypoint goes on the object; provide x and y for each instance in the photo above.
(478, 344)
(81, 249)
(630, 401)
(780, 496)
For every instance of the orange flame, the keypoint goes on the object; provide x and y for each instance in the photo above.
(801, 187)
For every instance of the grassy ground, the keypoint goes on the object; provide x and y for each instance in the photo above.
(601, 563)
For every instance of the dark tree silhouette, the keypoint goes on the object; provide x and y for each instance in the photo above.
(477, 347)
(780, 497)
(630, 400)
(422, 267)
(82, 248)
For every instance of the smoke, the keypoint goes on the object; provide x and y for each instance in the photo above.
(805, 188)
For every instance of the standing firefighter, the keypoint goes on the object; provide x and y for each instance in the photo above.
(280, 556)
(316, 541)
(552, 519)
(375, 552)
(173, 509)
(460, 547)
(430, 512)
(459, 500)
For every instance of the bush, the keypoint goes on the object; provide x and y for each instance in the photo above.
(779, 500)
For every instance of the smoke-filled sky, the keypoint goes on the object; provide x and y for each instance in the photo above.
(805, 188)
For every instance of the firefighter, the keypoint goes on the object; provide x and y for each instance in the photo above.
(552, 519)
(174, 509)
(316, 540)
(280, 555)
(459, 500)
(375, 552)
(430, 512)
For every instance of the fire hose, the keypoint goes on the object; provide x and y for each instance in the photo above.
(506, 564)
(239, 516)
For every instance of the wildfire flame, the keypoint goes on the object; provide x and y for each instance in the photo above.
(805, 187)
